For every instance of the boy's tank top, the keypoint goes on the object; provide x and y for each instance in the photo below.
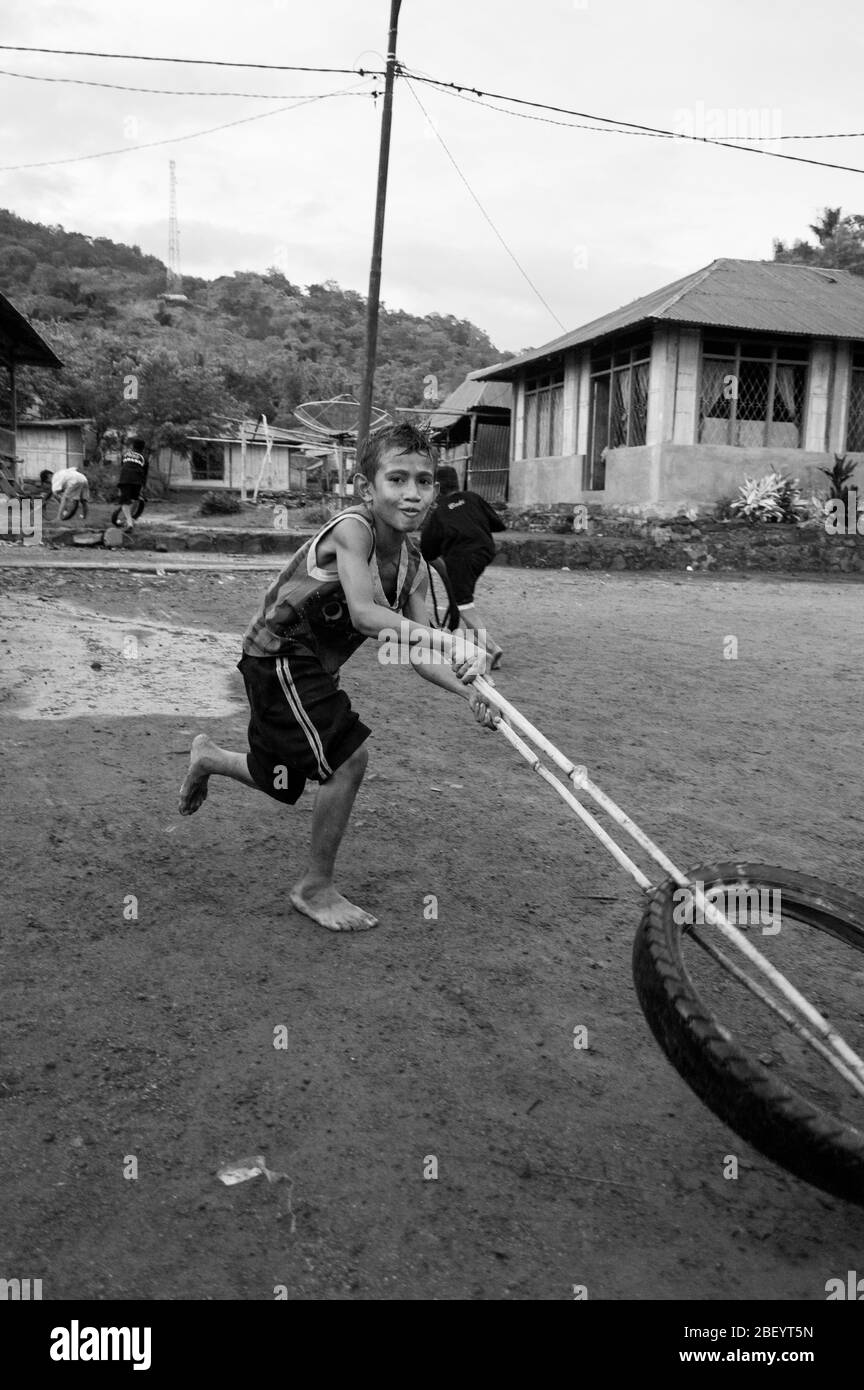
(306, 602)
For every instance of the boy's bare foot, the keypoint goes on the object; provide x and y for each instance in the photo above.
(329, 909)
(193, 792)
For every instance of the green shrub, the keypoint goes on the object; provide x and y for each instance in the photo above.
(840, 477)
(316, 515)
(775, 497)
(218, 504)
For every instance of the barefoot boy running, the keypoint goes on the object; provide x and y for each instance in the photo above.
(344, 585)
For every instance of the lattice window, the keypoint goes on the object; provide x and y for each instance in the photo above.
(753, 393)
(639, 402)
(855, 424)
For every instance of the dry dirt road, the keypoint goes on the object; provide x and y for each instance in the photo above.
(145, 1043)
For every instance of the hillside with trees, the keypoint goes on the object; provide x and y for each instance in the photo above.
(243, 345)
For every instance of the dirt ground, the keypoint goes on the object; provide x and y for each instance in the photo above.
(445, 1037)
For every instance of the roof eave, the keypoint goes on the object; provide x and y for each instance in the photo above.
(507, 371)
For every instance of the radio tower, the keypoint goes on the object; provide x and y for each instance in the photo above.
(175, 283)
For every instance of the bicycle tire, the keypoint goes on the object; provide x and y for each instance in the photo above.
(773, 1116)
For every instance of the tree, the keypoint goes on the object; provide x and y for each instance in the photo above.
(245, 343)
(826, 228)
(840, 244)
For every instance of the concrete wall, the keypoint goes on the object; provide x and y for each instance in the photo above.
(48, 447)
(687, 386)
(819, 389)
(583, 414)
(839, 413)
(517, 430)
(571, 402)
(661, 384)
(542, 481)
(666, 477)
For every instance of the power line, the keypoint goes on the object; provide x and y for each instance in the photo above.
(456, 87)
(197, 62)
(658, 134)
(171, 139)
(162, 91)
(631, 126)
(513, 258)
(476, 92)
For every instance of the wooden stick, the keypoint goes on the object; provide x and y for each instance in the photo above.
(713, 916)
(585, 816)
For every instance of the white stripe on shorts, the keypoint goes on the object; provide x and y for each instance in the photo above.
(286, 680)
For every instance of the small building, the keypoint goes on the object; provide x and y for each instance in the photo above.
(52, 444)
(20, 345)
(742, 368)
(245, 458)
(472, 430)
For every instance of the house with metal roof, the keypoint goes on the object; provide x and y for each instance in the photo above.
(20, 345)
(739, 369)
(472, 430)
(247, 456)
(53, 444)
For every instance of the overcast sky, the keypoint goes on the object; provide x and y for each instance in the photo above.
(594, 219)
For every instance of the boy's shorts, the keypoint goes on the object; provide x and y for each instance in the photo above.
(129, 492)
(302, 724)
(76, 490)
(464, 568)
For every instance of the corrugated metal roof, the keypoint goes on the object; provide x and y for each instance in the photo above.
(55, 424)
(754, 296)
(470, 394)
(27, 346)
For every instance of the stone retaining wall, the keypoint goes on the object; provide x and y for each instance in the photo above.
(786, 549)
(657, 546)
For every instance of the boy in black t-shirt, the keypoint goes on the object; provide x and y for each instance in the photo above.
(133, 476)
(459, 531)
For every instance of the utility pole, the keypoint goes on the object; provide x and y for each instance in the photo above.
(378, 234)
(175, 283)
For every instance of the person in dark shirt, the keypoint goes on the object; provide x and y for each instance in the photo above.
(133, 476)
(459, 532)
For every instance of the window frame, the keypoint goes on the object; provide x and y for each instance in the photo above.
(745, 349)
(548, 387)
(856, 369)
(207, 448)
(606, 364)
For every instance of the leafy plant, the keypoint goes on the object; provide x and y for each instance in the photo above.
(218, 504)
(776, 497)
(724, 509)
(839, 476)
(316, 514)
